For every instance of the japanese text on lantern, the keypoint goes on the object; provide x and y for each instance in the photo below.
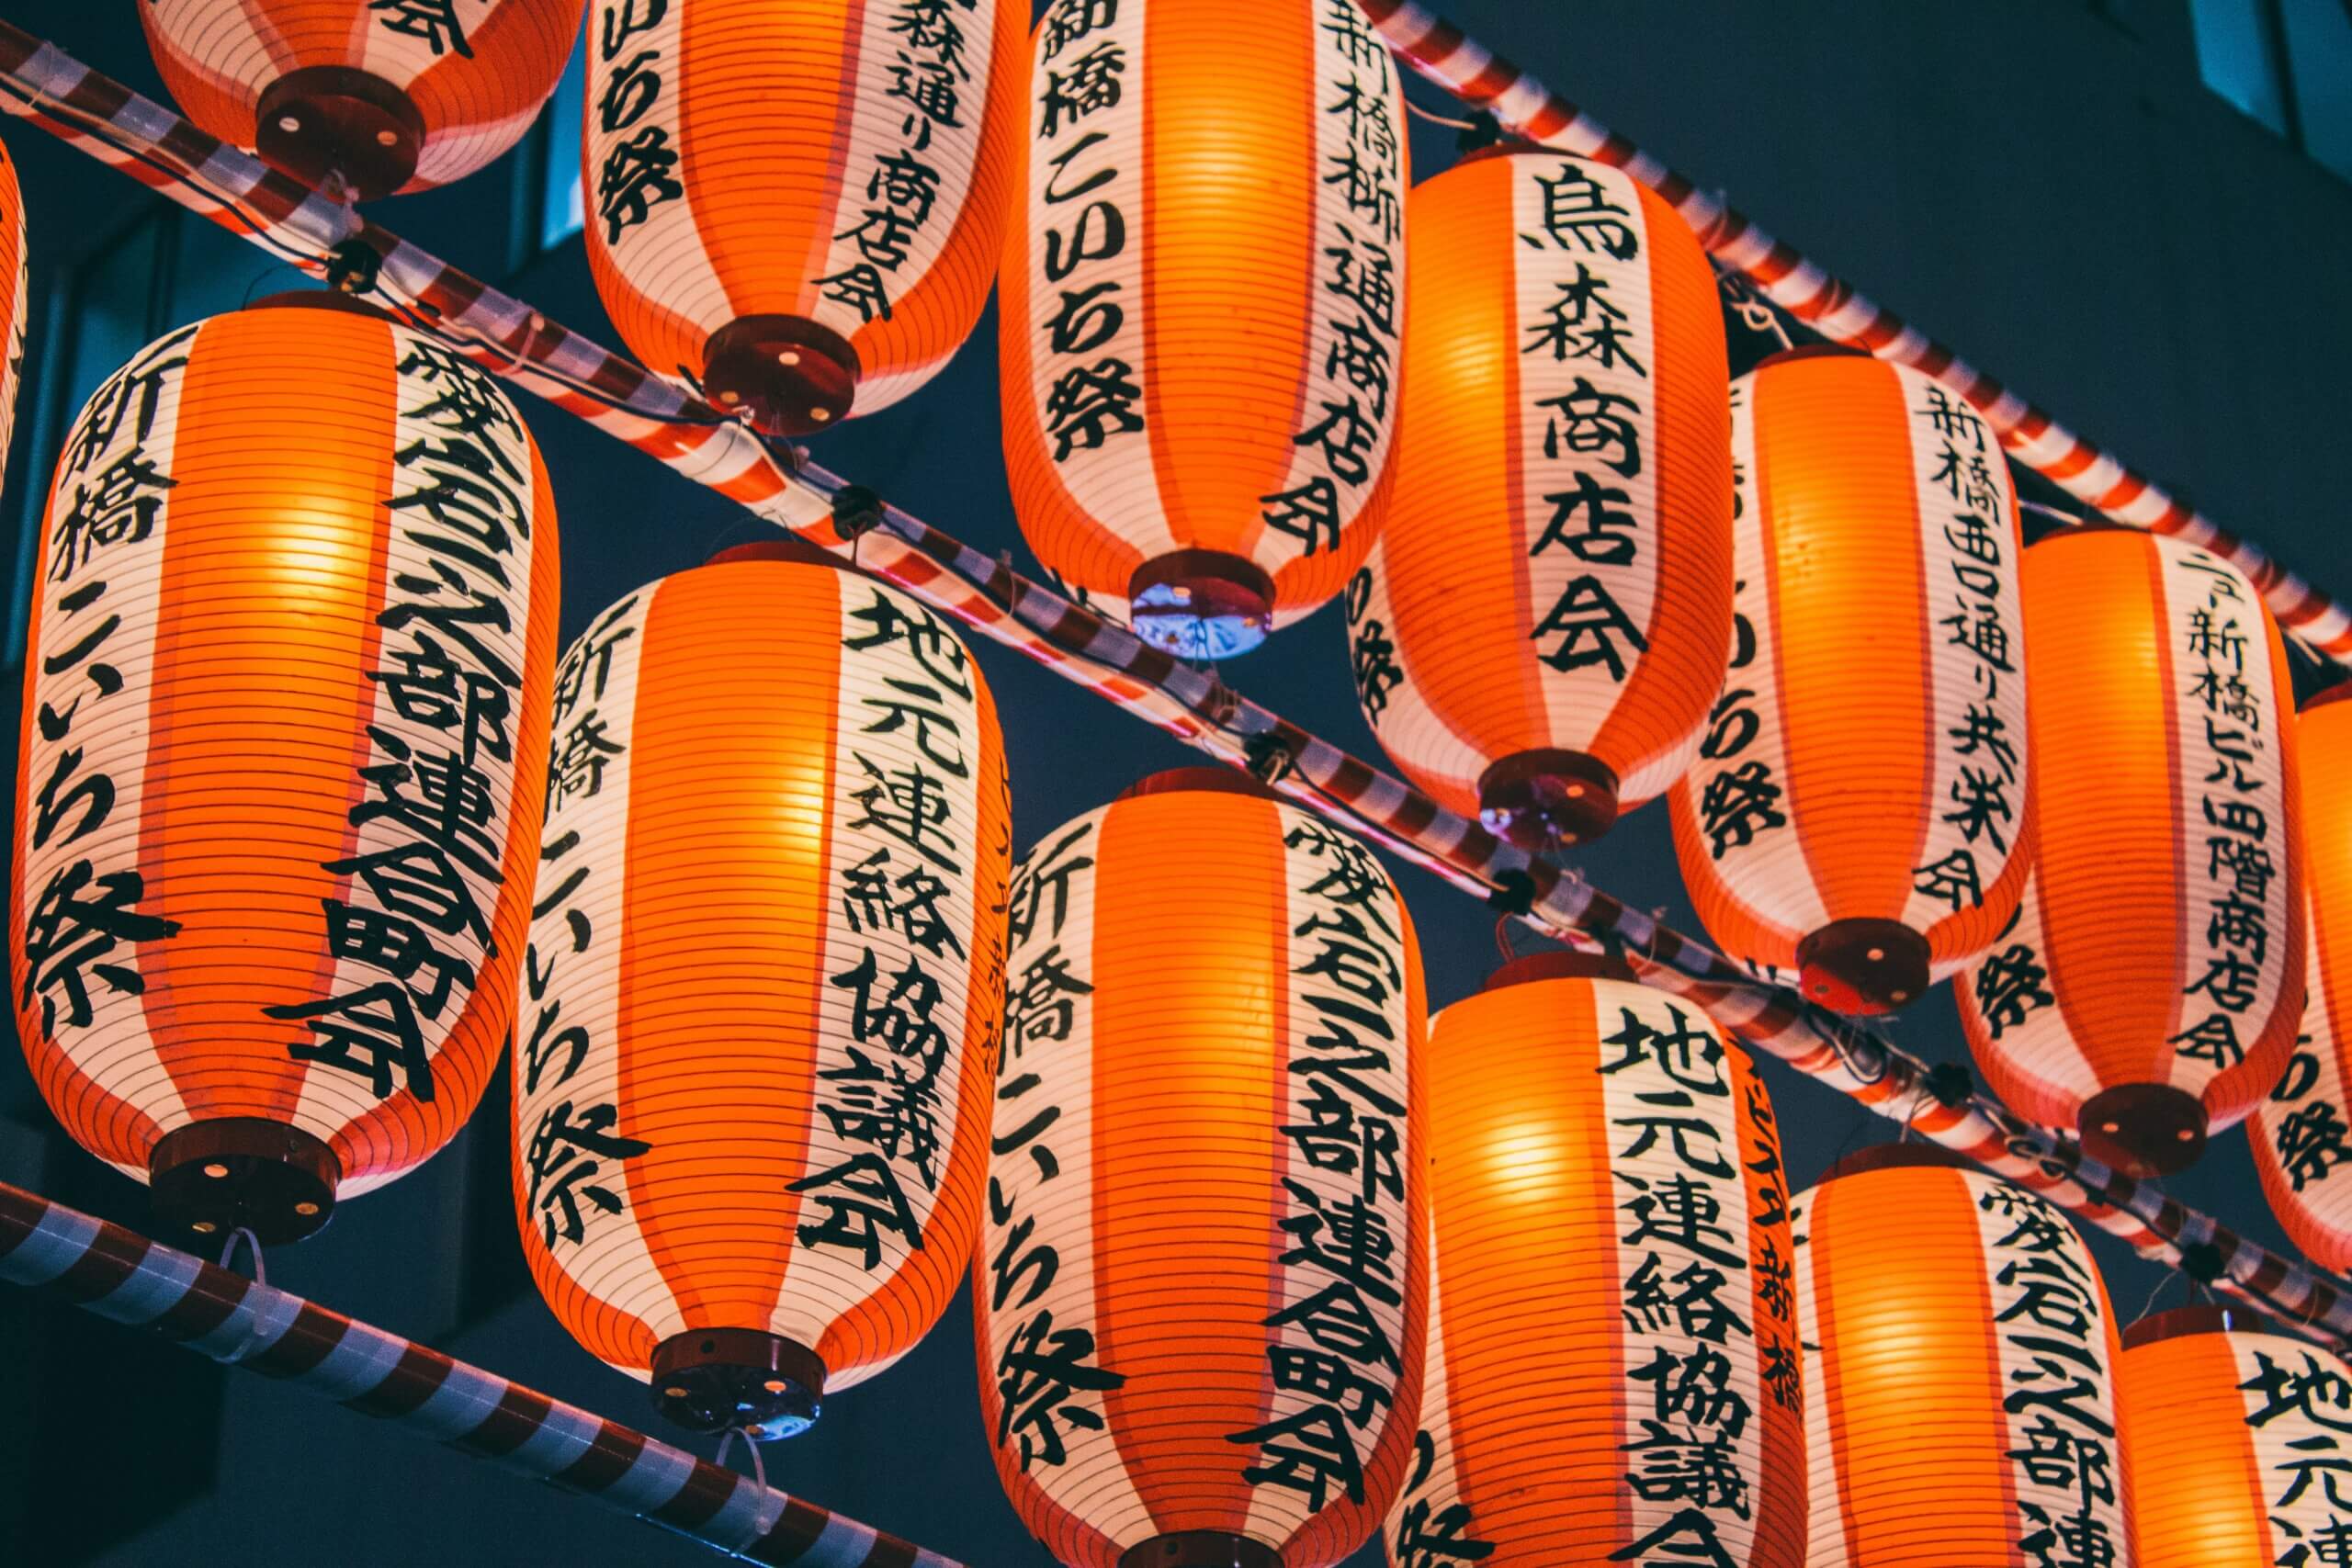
(2308, 1478)
(2311, 1139)
(1048, 1378)
(636, 144)
(434, 23)
(1372, 649)
(1740, 800)
(82, 927)
(1335, 1356)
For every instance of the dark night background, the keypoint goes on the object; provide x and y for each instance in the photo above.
(2046, 184)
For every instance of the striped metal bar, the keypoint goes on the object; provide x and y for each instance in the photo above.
(509, 338)
(1835, 308)
(122, 1276)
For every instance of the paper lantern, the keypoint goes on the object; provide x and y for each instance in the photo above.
(389, 96)
(1199, 1293)
(1540, 631)
(1858, 813)
(16, 296)
(1960, 1401)
(796, 206)
(1613, 1372)
(2151, 987)
(2240, 1443)
(2303, 1144)
(751, 1081)
(1200, 308)
(278, 789)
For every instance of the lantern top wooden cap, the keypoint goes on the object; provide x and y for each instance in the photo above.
(1564, 964)
(1898, 1156)
(2182, 1323)
(1211, 780)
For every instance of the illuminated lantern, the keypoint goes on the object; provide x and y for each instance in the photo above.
(279, 790)
(1613, 1288)
(750, 1082)
(2239, 1441)
(1200, 1290)
(796, 206)
(1858, 813)
(1959, 1403)
(2151, 987)
(1541, 629)
(1200, 308)
(15, 295)
(389, 95)
(2302, 1145)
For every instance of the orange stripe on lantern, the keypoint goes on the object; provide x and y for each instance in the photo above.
(2198, 1490)
(15, 297)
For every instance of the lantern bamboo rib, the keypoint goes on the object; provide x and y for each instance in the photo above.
(118, 1274)
(1471, 72)
(140, 138)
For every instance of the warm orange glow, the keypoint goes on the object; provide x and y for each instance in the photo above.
(15, 297)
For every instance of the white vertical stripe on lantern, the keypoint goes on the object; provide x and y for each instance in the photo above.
(1406, 725)
(1825, 1511)
(1432, 1482)
(400, 57)
(2296, 1127)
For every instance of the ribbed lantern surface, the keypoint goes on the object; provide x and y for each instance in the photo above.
(1613, 1370)
(1541, 629)
(1960, 1356)
(1201, 307)
(2303, 1141)
(391, 95)
(751, 1079)
(1200, 1290)
(15, 295)
(796, 206)
(1858, 813)
(2152, 985)
(2240, 1443)
(277, 801)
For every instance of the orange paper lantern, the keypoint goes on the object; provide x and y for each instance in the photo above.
(1200, 1288)
(16, 296)
(1613, 1372)
(1200, 308)
(2151, 987)
(1541, 627)
(1858, 808)
(796, 206)
(278, 793)
(1960, 1404)
(2303, 1144)
(2240, 1443)
(751, 1084)
(386, 95)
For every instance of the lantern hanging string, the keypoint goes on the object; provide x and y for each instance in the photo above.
(1443, 54)
(118, 1274)
(508, 337)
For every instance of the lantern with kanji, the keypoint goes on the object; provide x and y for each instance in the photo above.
(796, 206)
(383, 97)
(1541, 627)
(2240, 1443)
(750, 1079)
(1200, 1286)
(2303, 1144)
(2150, 989)
(278, 795)
(15, 295)
(1200, 308)
(1611, 1291)
(1959, 1389)
(1858, 813)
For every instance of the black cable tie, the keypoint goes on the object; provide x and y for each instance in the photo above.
(1484, 130)
(352, 267)
(1512, 894)
(2202, 1261)
(857, 511)
(1950, 1085)
(1270, 758)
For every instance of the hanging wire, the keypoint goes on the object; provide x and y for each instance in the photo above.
(751, 1444)
(253, 1246)
(2163, 1279)
(1436, 119)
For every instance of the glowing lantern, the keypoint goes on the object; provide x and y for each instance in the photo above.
(2152, 986)
(391, 96)
(1200, 1287)
(1611, 1291)
(1960, 1407)
(2302, 1144)
(797, 205)
(1858, 813)
(2239, 1443)
(278, 793)
(1200, 308)
(751, 1087)
(1541, 627)
(15, 295)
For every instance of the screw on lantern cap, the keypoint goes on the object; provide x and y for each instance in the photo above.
(2181, 1322)
(1200, 1549)
(716, 1380)
(1898, 1156)
(791, 375)
(1201, 603)
(319, 299)
(1536, 799)
(2143, 1129)
(1863, 965)
(1560, 966)
(1207, 781)
(230, 1173)
(322, 120)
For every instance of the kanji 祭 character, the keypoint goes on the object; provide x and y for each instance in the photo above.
(2011, 986)
(1090, 403)
(1737, 803)
(636, 177)
(434, 21)
(1377, 673)
(78, 919)
(562, 1161)
(1035, 1383)
(2311, 1141)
